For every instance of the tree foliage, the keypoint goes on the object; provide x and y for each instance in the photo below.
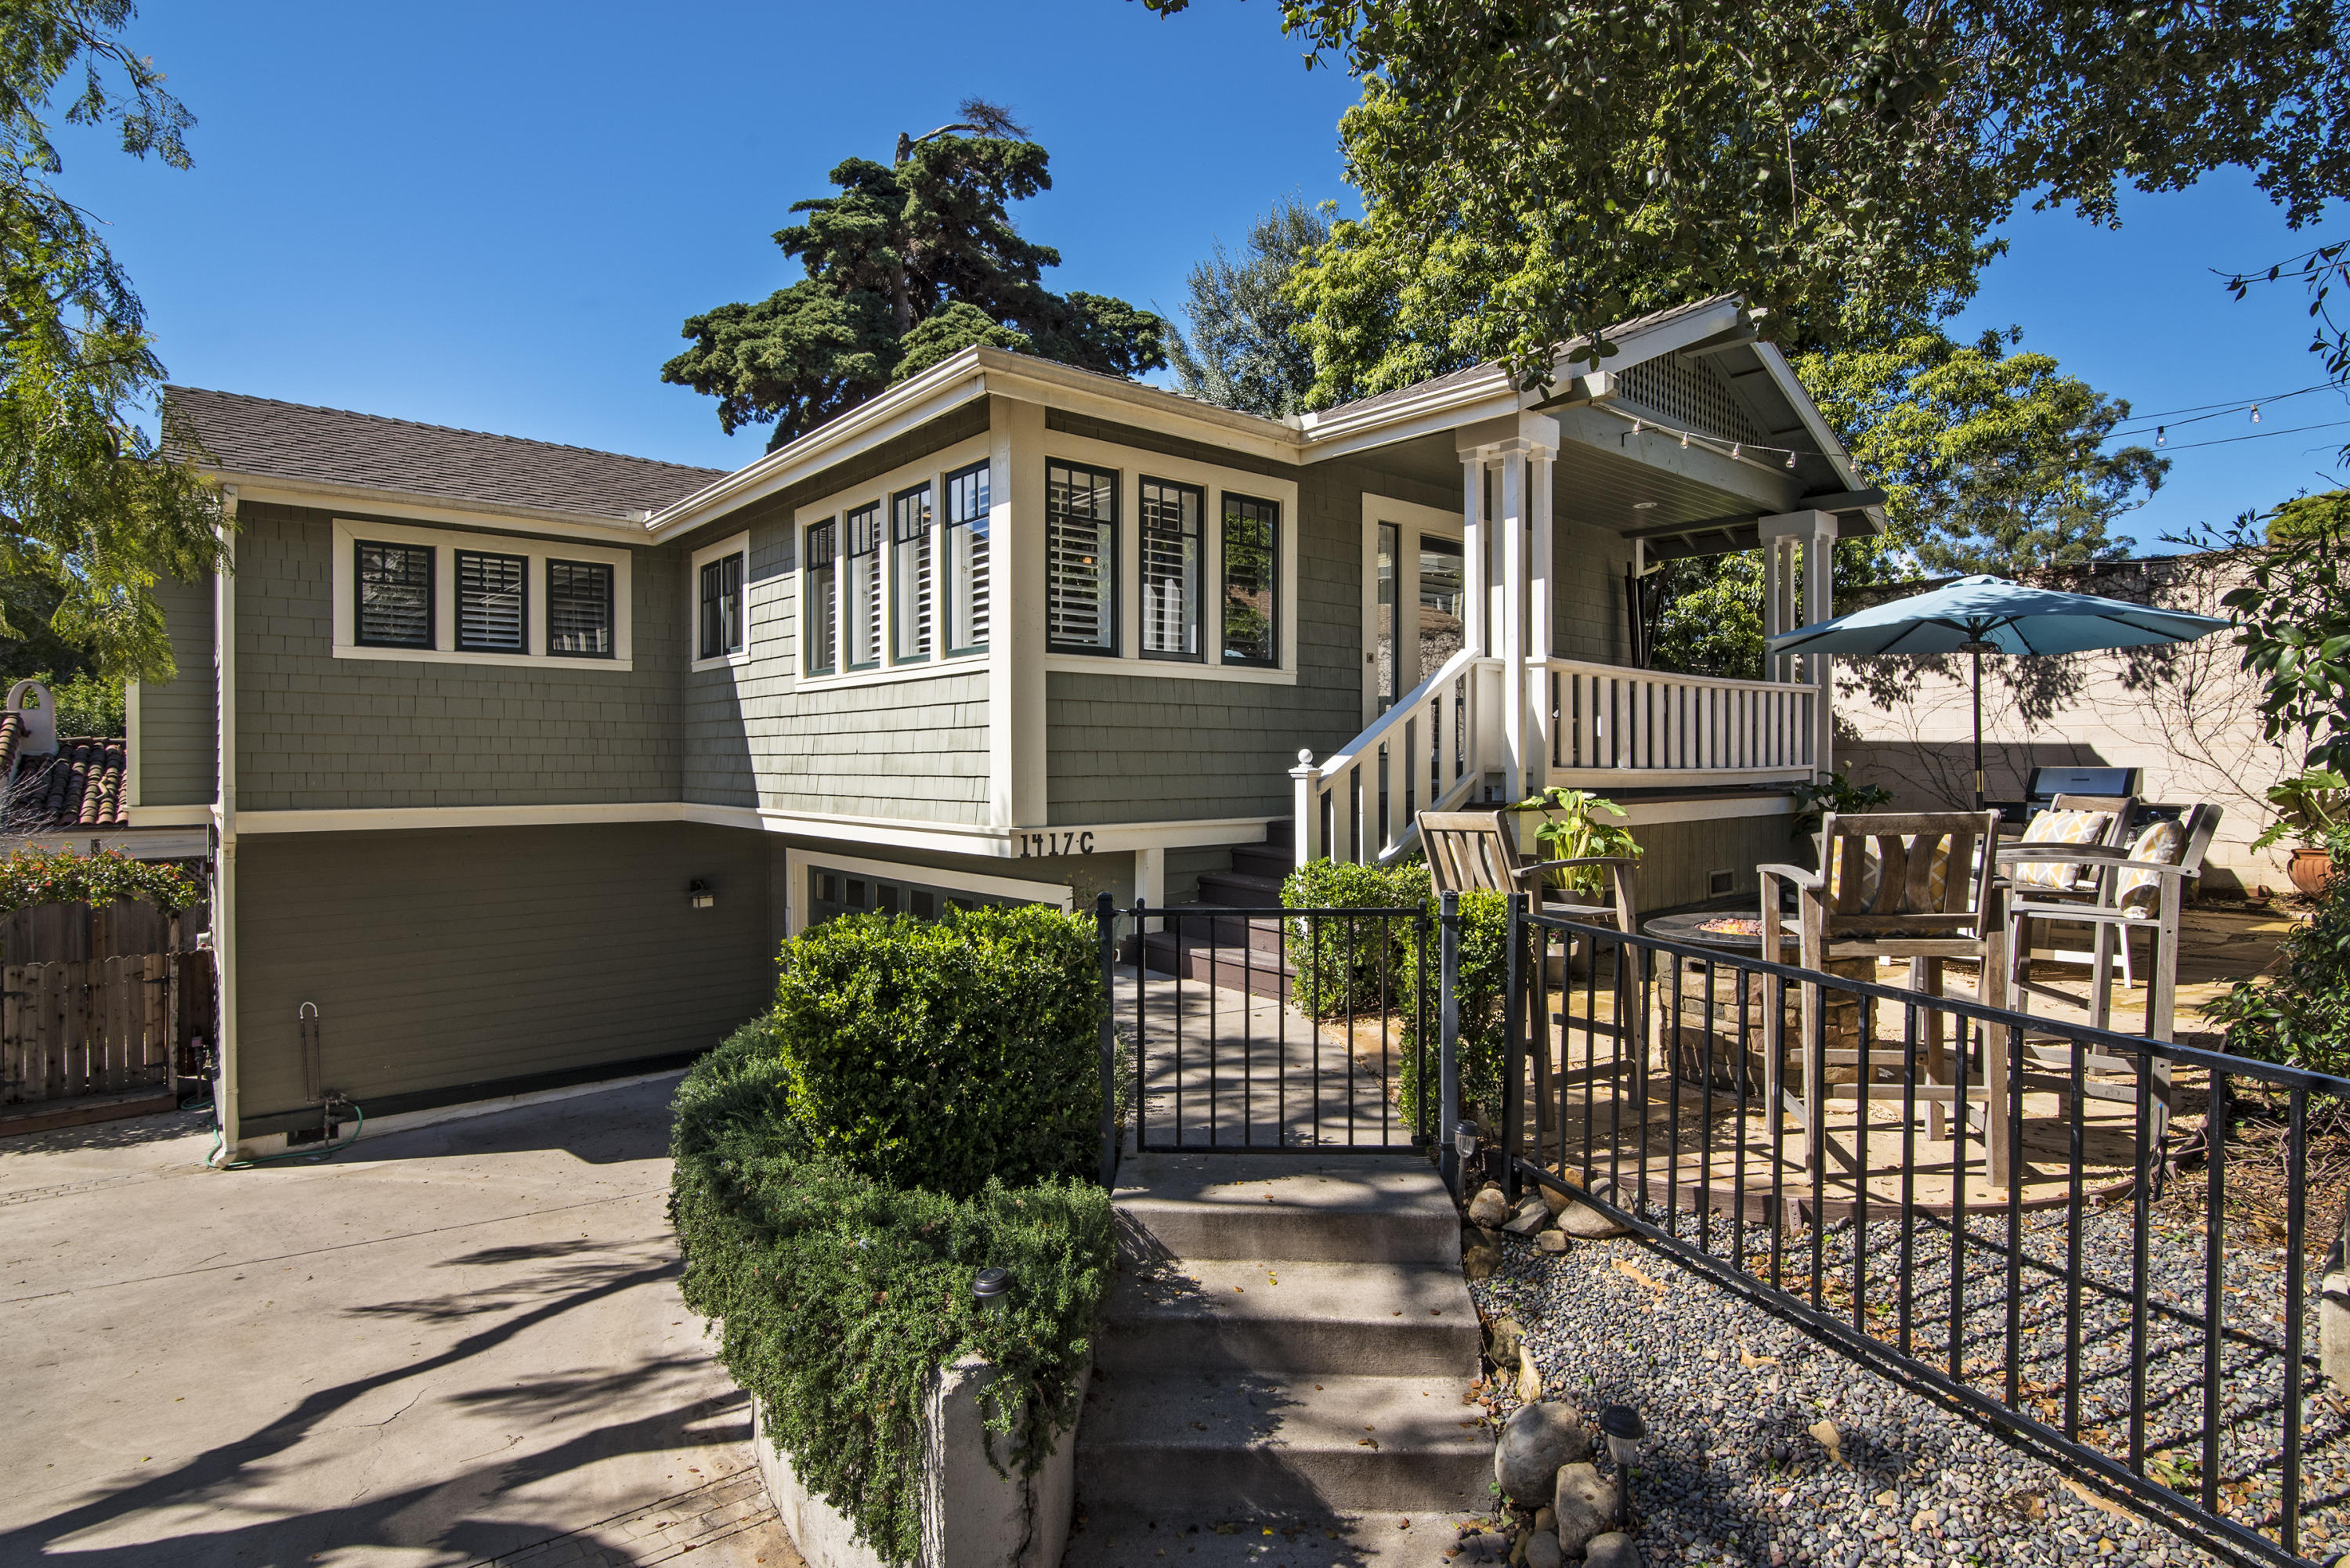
(2292, 614)
(1246, 349)
(910, 263)
(1536, 173)
(93, 510)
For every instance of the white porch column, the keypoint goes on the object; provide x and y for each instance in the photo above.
(1808, 538)
(1512, 599)
(1015, 654)
(1473, 551)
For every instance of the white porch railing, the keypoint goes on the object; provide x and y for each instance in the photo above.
(1608, 719)
(1599, 724)
(1421, 755)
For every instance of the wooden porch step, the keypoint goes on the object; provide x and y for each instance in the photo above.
(1233, 967)
(1241, 890)
(1206, 923)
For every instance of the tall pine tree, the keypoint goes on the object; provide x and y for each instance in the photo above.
(910, 263)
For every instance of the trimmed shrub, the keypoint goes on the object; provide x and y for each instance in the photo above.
(944, 1056)
(839, 1294)
(1483, 987)
(1352, 966)
(2301, 1018)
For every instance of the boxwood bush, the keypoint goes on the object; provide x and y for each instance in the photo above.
(1347, 966)
(941, 1055)
(919, 1106)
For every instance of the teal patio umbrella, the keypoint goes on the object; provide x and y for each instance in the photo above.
(1976, 616)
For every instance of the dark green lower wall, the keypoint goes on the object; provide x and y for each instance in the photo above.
(441, 959)
(1678, 858)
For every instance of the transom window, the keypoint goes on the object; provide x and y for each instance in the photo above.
(1171, 523)
(721, 606)
(579, 619)
(492, 613)
(1251, 551)
(1080, 558)
(395, 595)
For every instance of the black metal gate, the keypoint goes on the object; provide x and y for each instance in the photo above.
(1267, 1030)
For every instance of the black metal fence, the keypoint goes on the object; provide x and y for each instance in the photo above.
(2081, 1302)
(1266, 1029)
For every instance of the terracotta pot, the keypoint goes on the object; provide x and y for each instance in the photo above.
(2309, 870)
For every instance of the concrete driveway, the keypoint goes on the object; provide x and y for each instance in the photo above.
(452, 1344)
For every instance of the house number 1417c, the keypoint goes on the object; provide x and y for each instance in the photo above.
(1033, 845)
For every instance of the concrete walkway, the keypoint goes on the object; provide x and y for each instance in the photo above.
(454, 1345)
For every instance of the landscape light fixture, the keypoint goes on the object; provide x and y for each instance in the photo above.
(1464, 1139)
(1624, 1431)
(992, 1289)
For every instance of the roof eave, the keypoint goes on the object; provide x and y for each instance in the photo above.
(305, 491)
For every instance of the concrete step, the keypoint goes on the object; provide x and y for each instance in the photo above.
(1285, 1317)
(1120, 1538)
(1211, 964)
(1376, 1209)
(1257, 1443)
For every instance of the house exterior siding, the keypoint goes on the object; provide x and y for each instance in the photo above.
(319, 732)
(441, 960)
(178, 730)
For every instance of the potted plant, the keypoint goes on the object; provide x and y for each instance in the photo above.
(1571, 830)
(1835, 793)
(2310, 806)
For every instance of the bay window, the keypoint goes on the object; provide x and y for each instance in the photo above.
(1080, 558)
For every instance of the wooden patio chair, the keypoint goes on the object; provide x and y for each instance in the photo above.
(1473, 850)
(1916, 886)
(2140, 888)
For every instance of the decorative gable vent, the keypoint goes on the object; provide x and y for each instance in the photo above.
(1687, 397)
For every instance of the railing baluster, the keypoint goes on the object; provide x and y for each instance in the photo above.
(2296, 1170)
(2215, 1258)
(2075, 1137)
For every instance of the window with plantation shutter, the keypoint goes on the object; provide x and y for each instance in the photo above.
(395, 595)
(864, 587)
(820, 614)
(1080, 559)
(909, 575)
(579, 609)
(490, 611)
(1170, 528)
(1252, 554)
(966, 530)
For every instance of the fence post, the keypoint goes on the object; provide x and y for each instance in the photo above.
(1448, 1040)
(1513, 1061)
(1106, 930)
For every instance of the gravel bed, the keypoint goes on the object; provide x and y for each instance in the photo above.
(1736, 1472)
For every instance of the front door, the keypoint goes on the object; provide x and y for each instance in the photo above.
(1415, 606)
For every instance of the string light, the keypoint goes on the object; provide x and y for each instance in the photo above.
(2256, 413)
(1791, 460)
(1684, 440)
(1734, 448)
(2162, 435)
(1635, 427)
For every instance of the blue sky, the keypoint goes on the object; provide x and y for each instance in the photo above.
(496, 215)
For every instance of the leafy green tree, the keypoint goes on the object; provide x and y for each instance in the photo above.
(1536, 173)
(910, 263)
(93, 509)
(2307, 515)
(1245, 349)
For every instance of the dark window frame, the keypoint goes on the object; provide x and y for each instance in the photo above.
(828, 570)
(611, 608)
(711, 609)
(1272, 521)
(1112, 610)
(925, 638)
(943, 575)
(878, 522)
(1197, 628)
(520, 646)
(431, 553)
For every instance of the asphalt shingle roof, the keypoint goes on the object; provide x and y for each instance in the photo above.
(265, 437)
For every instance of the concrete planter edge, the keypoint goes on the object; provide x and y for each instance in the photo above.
(971, 1517)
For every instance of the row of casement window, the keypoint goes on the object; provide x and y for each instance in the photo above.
(397, 602)
(845, 619)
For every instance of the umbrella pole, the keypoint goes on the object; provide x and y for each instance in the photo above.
(1979, 767)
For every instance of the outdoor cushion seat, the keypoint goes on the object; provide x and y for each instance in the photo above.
(2088, 827)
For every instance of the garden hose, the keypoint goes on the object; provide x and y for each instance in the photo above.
(359, 1126)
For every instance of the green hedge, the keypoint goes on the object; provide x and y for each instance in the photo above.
(1483, 987)
(941, 1055)
(2301, 1018)
(1348, 966)
(920, 1107)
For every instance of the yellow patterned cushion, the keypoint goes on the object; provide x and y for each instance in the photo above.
(2161, 843)
(2061, 828)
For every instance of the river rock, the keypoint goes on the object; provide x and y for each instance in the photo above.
(1550, 1241)
(1507, 1336)
(1579, 1218)
(1536, 1439)
(1613, 1550)
(1489, 1208)
(1585, 1507)
(1530, 1380)
(1542, 1551)
(1532, 1215)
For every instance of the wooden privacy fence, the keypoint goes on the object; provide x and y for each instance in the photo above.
(89, 1026)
